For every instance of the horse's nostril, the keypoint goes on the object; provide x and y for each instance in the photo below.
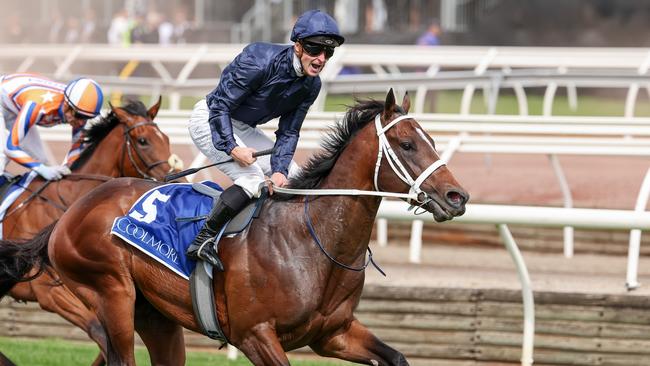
(455, 198)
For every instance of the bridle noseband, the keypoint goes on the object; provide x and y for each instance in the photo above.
(398, 168)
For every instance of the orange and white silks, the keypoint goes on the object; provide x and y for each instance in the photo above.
(28, 100)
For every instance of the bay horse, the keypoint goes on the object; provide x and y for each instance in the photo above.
(125, 143)
(278, 292)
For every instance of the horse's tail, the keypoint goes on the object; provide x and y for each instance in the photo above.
(4, 361)
(17, 258)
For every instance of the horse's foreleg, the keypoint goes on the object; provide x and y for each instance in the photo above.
(357, 344)
(163, 338)
(262, 346)
(116, 312)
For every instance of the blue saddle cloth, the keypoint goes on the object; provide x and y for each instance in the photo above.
(159, 223)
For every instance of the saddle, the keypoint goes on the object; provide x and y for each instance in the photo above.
(165, 220)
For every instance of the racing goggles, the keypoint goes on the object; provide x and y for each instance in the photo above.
(79, 114)
(315, 49)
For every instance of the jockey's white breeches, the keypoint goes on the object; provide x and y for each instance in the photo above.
(250, 178)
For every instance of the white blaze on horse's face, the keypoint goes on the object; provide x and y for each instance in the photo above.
(175, 163)
(159, 134)
(424, 137)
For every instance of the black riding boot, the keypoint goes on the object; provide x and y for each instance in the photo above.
(232, 200)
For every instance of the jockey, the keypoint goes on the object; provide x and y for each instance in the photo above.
(27, 100)
(263, 82)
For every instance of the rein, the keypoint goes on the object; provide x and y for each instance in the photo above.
(312, 231)
(126, 150)
(37, 192)
(415, 193)
(78, 177)
(33, 195)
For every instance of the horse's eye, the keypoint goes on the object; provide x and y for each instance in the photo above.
(406, 145)
(142, 141)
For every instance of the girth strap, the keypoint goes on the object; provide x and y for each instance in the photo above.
(205, 310)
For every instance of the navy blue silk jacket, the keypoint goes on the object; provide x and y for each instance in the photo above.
(259, 85)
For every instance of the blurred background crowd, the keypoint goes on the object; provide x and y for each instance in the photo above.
(427, 22)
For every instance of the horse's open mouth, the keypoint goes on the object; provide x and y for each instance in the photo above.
(441, 210)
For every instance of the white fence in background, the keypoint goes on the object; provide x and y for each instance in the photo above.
(178, 69)
(62, 57)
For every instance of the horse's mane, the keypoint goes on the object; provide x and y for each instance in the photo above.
(322, 162)
(96, 133)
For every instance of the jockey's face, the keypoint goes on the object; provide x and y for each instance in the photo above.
(73, 118)
(312, 63)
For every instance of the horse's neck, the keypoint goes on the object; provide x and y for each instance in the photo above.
(105, 160)
(349, 219)
(348, 223)
(343, 224)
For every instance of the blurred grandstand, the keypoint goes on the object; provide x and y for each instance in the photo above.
(463, 22)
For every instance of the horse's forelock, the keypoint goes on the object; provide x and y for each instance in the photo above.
(136, 108)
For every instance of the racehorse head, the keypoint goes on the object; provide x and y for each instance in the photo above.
(378, 146)
(138, 149)
(410, 163)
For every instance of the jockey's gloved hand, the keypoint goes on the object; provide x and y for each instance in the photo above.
(52, 172)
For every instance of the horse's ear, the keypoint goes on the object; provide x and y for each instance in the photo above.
(153, 111)
(389, 105)
(121, 114)
(406, 103)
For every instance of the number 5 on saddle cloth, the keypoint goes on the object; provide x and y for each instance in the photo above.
(164, 221)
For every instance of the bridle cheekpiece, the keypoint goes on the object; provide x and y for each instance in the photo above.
(398, 168)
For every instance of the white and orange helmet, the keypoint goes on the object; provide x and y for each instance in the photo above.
(85, 96)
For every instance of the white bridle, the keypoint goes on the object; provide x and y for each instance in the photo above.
(394, 162)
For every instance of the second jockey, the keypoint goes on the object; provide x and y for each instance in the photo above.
(27, 101)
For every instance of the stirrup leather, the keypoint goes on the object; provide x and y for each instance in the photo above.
(212, 240)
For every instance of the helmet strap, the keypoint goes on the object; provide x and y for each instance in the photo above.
(65, 108)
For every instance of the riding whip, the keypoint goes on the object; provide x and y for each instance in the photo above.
(170, 177)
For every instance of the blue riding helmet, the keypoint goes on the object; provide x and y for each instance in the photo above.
(315, 23)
